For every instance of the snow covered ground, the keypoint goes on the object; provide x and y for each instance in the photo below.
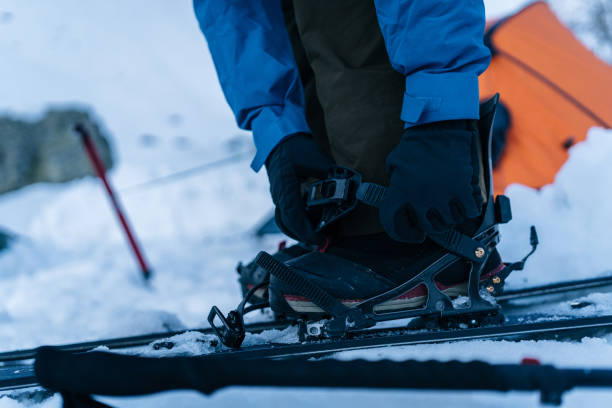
(143, 68)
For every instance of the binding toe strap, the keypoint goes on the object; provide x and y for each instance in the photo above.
(301, 285)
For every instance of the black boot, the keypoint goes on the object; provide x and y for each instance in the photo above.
(252, 275)
(356, 269)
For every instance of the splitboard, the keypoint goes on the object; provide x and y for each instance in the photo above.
(20, 375)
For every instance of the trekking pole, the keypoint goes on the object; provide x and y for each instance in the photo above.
(98, 165)
(102, 373)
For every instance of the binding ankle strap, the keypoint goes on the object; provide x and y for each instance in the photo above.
(340, 193)
(372, 194)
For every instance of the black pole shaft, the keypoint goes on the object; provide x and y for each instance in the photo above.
(112, 374)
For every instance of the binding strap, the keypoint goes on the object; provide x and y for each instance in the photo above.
(460, 244)
(372, 194)
(301, 285)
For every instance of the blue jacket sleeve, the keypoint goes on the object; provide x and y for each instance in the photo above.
(256, 68)
(438, 45)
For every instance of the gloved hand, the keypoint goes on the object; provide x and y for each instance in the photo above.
(290, 164)
(434, 180)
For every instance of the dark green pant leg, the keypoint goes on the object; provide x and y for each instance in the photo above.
(314, 111)
(359, 91)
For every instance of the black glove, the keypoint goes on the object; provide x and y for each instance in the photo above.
(291, 163)
(434, 180)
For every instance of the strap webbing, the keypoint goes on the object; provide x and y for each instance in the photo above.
(301, 285)
(458, 243)
(370, 193)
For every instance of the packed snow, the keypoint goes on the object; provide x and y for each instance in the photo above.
(143, 69)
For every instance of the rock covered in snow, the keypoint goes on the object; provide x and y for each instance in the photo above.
(47, 150)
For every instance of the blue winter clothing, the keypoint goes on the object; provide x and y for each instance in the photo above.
(437, 44)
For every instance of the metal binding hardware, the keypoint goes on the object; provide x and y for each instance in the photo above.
(330, 199)
(494, 285)
(232, 332)
(333, 190)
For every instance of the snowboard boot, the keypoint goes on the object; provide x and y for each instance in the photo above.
(359, 268)
(252, 275)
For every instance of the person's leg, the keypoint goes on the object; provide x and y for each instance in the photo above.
(340, 49)
(359, 91)
(314, 111)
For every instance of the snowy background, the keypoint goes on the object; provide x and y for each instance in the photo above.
(142, 67)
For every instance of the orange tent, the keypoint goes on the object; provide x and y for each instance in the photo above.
(553, 87)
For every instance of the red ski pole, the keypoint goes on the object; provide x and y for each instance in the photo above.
(100, 170)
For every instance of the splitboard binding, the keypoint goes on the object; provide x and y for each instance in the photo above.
(336, 196)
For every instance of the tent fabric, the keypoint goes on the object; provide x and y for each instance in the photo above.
(554, 88)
